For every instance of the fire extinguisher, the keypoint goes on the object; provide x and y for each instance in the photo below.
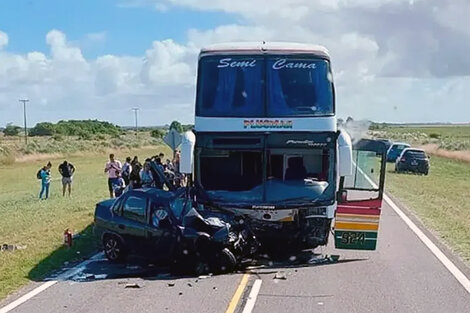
(68, 238)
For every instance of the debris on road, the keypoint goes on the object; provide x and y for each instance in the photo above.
(190, 285)
(132, 285)
(324, 260)
(171, 284)
(180, 293)
(204, 276)
(280, 275)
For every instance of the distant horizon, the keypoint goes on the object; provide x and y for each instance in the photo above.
(183, 123)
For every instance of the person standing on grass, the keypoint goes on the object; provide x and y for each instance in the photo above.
(118, 184)
(45, 181)
(126, 170)
(112, 168)
(67, 170)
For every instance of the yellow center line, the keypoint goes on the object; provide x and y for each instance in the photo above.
(238, 294)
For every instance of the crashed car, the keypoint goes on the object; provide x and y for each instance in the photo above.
(165, 227)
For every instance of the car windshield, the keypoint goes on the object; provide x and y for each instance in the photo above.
(415, 154)
(255, 86)
(399, 147)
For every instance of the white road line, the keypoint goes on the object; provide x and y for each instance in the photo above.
(250, 303)
(44, 286)
(461, 278)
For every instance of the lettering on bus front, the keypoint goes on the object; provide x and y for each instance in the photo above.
(268, 124)
(278, 65)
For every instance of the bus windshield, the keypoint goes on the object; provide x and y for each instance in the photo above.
(278, 168)
(264, 86)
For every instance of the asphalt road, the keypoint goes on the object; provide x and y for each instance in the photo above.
(401, 276)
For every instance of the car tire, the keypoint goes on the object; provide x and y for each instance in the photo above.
(114, 249)
(227, 261)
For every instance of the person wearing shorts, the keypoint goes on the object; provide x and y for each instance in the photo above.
(113, 167)
(67, 170)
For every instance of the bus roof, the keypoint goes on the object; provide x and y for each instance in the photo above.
(265, 48)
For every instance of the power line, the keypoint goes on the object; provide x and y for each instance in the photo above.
(24, 113)
(136, 123)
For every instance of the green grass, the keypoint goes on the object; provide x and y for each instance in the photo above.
(14, 147)
(25, 220)
(449, 137)
(440, 200)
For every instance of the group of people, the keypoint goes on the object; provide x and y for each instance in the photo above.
(65, 169)
(133, 174)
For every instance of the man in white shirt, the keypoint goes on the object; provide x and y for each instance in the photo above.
(112, 168)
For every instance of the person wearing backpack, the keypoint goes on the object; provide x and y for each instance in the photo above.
(45, 174)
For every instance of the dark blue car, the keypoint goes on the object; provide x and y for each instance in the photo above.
(164, 227)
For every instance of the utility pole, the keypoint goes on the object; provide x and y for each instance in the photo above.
(136, 125)
(24, 113)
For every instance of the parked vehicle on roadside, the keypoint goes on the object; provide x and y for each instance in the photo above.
(164, 226)
(395, 150)
(412, 160)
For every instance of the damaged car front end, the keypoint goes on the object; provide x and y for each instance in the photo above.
(165, 226)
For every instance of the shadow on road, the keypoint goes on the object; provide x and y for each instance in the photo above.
(84, 245)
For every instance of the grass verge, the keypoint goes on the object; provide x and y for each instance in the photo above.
(440, 200)
(25, 220)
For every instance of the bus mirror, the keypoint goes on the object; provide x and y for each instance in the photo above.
(344, 154)
(187, 152)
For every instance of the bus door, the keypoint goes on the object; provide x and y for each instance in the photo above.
(360, 198)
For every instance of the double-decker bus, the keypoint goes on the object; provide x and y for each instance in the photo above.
(266, 144)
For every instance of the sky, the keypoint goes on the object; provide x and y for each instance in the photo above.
(393, 60)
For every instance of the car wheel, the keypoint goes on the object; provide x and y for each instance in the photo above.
(226, 262)
(114, 249)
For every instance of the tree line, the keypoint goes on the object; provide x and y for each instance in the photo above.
(87, 128)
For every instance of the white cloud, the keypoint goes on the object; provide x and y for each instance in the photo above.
(3, 39)
(395, 60)
(167, 64)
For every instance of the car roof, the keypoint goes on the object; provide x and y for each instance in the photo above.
(401, 144)
(265, 48)
(155, 192)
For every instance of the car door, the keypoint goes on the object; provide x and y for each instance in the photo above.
(161, 231)
(360, 198)
(132, 224)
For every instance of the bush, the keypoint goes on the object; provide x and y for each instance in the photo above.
(11, 130)
(58, 137)
(43, 129)
(434, 136)
(177, 126)
(158, 133)
(76, 128)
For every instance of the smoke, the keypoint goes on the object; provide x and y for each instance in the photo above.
(356, 129)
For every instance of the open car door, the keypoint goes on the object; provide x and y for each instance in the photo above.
(360, 198)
